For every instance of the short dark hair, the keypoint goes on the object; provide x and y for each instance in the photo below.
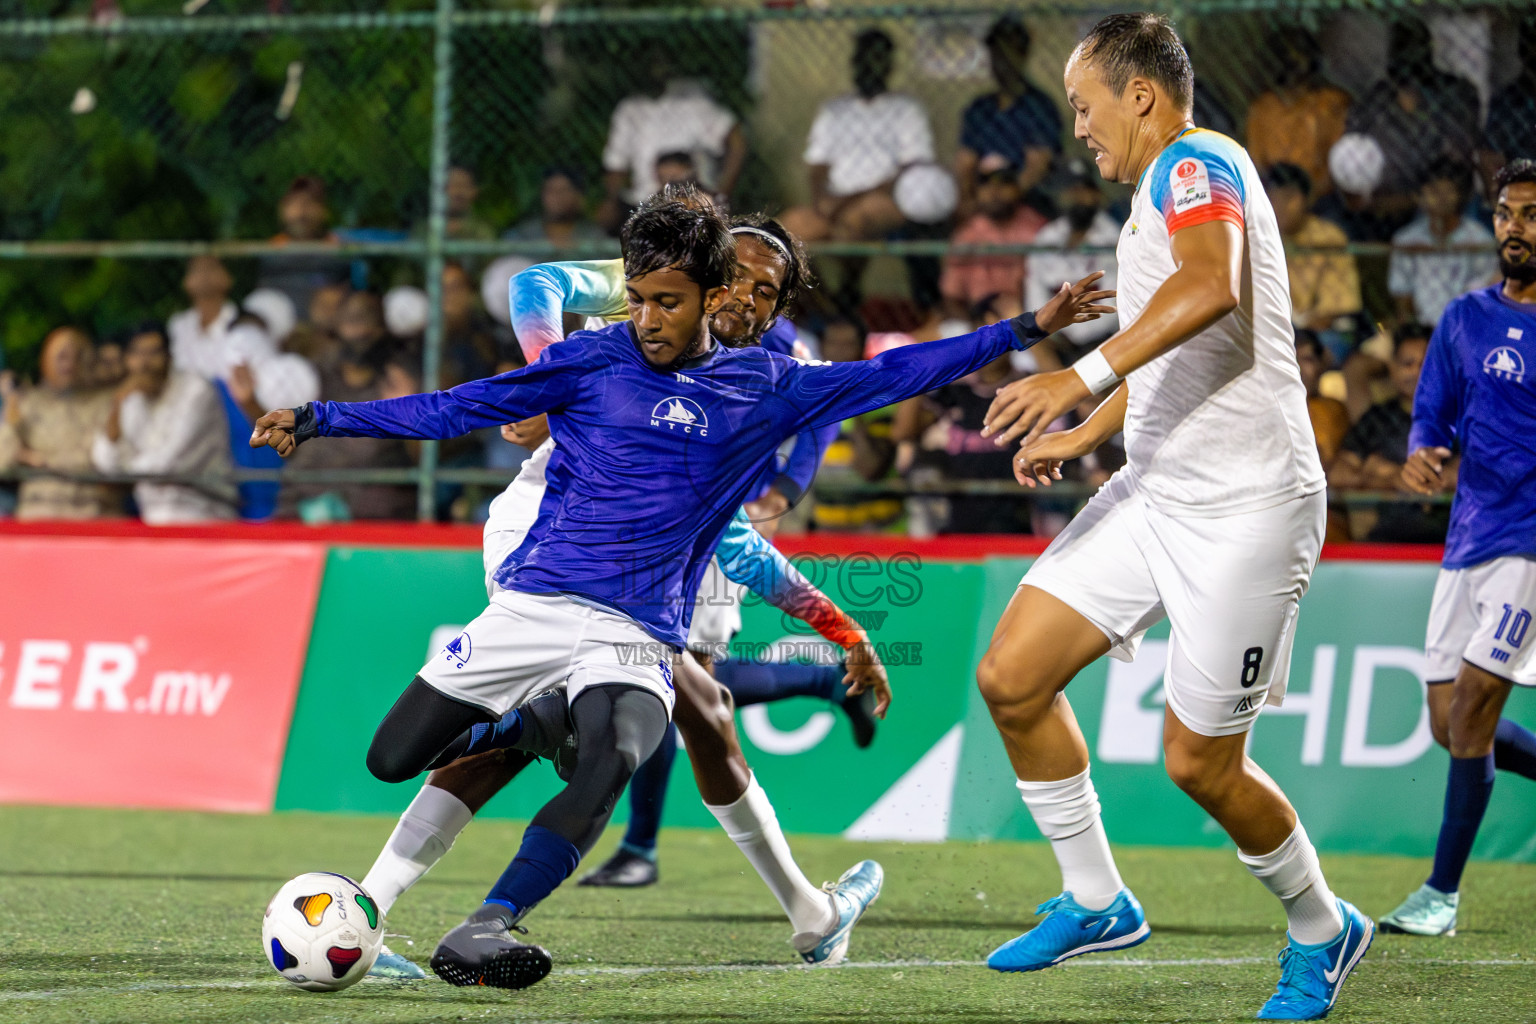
(1516, 172)
(797, 272)
(676, 156)
(1010, 28)
(677, 227)
(1284, 175)
(570, 174)
(1448, 168)
(311, 185)
(1123, 46)
(1309, 340)
(873, 37)
(1410, 331)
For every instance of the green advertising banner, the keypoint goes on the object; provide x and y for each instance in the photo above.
(1351, 745)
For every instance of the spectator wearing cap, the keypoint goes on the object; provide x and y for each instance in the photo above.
(50, 426)
(1001, 218)
(1442, 253)
(1325, 287)
(678, 116)
(858, 146)
(1017, 120)
(172, 422)
(1083, 222)
(562, 218)
(1299, 119)
(305, 218)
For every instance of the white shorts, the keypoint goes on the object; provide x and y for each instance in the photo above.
(513, 512)
(716, 611)
(1228, 585)
(525, 644)
(1482, 615)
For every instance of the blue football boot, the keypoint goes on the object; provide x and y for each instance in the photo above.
(851, 896)
(1311, 976)
(1071, 930)
(395, 967)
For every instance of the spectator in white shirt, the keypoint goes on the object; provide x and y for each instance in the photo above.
(167, 421)
(859, 145)
(197, 334)
(680, 117)
(1442, 253)
(1083, 222)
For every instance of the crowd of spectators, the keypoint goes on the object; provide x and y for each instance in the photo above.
(1403, 161)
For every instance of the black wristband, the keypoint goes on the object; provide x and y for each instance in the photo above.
(1026, 330)
(305, 424)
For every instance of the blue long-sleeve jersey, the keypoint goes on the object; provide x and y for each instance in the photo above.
(653, 463)
(1477, 393)
(793, 474)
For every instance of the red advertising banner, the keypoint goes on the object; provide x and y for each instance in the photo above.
(150, 673)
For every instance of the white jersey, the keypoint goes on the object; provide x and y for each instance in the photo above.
(1219, 425)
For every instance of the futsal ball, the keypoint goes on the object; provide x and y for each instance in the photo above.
(322, 932)
(926, 193)
(1356, 163)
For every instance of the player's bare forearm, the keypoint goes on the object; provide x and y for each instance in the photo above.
(1206, 287)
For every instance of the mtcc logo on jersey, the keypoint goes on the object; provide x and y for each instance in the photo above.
(680, 414)
(1505, 363)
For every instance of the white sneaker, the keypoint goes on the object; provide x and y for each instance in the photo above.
(1426, 912)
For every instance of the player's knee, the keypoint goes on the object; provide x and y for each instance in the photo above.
(639, 725)
(1201, 778)
(1440, 729)
(1008, 689)
(386, 763)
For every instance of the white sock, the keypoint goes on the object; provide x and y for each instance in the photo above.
(1292, 873)
(1067, 813)
(754, 828)
(425, 832)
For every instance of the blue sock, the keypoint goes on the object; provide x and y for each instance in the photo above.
(543, 861)
(752, 682)
(1466, 799)
(1514, 749)
(648, 795)
(495, 735)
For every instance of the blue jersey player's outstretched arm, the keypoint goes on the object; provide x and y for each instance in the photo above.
(546, 385)
(825, 393)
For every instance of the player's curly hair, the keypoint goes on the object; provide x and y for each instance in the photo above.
(679, 228)
(798, 276)
(1516, 172)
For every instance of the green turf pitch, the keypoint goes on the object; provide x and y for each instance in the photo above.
(148, 917)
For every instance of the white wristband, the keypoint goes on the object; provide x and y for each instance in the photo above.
(1096, 372)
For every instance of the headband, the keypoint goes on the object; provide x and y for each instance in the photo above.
(774, 242)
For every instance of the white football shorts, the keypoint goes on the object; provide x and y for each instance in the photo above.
(1482, 615)
(525, 644)
(1229, 586)
(716, 612)
(513, 512)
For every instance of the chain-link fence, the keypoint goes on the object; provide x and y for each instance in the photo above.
(140, 131)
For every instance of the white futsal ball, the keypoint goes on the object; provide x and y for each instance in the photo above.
(1356, 163)
(926, 193)
(322, 932)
